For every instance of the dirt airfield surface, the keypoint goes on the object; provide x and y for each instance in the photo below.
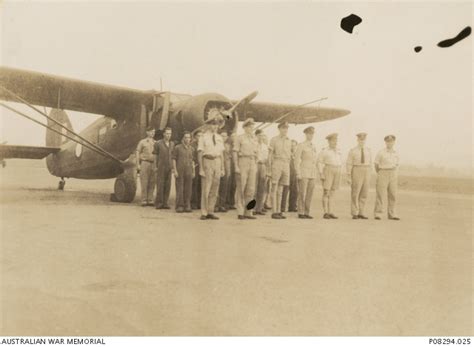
(74, 263)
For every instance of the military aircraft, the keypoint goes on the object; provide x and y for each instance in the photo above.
(106, 148)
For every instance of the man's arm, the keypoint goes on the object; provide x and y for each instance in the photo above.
(137, 155)
(174, 156)
(320, 165)
(298, 153)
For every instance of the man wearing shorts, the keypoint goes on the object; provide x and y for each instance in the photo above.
(329, 167)
(279, 162)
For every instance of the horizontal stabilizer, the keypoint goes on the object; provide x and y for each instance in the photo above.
(26, 152)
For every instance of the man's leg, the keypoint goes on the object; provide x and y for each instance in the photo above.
(214, 189)
(239, 204)
(261, 175)
(364, 190)
(309, 196)
(159, 188)
(151, 183)
(355, 190)
(249, 191)
(303, 183)
(392, 194)
(179, 183)
(187, 190)
(293, 198)
(166, 188)
(206, 182)
(144, 178)
(284, 198)
(380, 192)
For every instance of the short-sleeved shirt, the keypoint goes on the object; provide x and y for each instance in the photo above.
(354, 158)
(387, 159)
(262, 153)
(281, 148)
(145, 149)
(306, 160)
(183, 154)
(329, 156)
(246, 145)
(211, 144)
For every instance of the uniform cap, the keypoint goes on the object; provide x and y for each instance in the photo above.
(390, 138)
(283, 125)
(331, 136)
(247, 122)
(361, 135)
(309, 130)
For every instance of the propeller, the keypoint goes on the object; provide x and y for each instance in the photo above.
(246, 100)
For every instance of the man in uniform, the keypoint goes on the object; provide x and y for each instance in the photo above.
(279, 162)
(232, 182)
(245, 160)
(306, 171)
(163, 150)
(386, 166)
(146, 166)
(211, 165)
(224, 188)
(358, 169)
(290, 193)
(183, 170)
(262, 162)
(196, 194)
(329, 166)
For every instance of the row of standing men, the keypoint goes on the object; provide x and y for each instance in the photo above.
(215, 172)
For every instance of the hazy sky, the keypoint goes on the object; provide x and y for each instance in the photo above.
(289, 52)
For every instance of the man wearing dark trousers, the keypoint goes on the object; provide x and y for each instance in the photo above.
(163, 150)
(183, 171)
(196, 194)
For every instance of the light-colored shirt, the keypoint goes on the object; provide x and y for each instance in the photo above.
(329, 156)
(387, 159)
(211, 144)
(281, 148)
(354, 158)
(246, 145)
(306, 160)
(145, 149)
(262, 153)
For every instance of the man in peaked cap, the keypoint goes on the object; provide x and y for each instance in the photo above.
(163, 156)
(329, 166)
(211, 165)
(279, 162)
(146, 166)
(306, 171)
(245, 161)
(358, 169)
(386, 165)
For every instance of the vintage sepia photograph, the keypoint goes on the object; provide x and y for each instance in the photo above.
(236, 169)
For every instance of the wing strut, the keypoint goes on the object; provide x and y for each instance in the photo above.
(103, 153)
(266, 125)
(97, 148)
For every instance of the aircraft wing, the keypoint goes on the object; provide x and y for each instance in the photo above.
(25, 152)
(270, 112)
(71, 94)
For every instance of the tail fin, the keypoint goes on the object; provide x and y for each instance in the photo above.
(53, 139)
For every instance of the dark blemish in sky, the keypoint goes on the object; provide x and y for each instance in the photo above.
(418, 49)
(251, 204)
(462, 35)
(348, 23)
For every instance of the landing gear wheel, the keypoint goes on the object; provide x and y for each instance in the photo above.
(124, 190)
(61, 184)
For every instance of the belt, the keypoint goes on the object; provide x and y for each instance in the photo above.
(262, 162)
(149, 161)
(210, 157)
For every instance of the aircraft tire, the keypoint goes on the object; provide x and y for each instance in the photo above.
(125, 189)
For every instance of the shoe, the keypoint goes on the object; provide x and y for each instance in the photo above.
(361, 216)
(250, 217)
(282, 216)
(355, 217)
(187, 210)
(276, 216)
(166, 207)
(326, 216)
(194, 207)
(203, 217)
(180, 210)
(293, 210)
(308, 216)
(158, 207)
(240, 216)
(394, 218)
(260, 213)
(143, 204)
(232, 208)
(332, 216)
(377, 218)
(211, 216)
(302, 216)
